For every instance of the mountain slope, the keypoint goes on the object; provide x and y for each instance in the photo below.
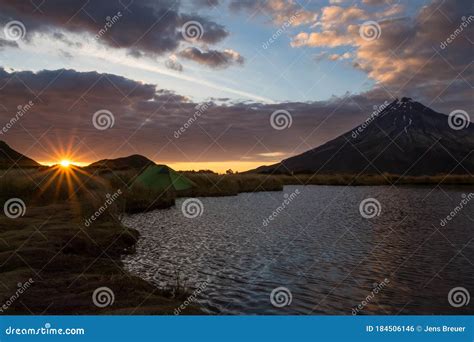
(11, 158)
(405, 138)
(134, 161)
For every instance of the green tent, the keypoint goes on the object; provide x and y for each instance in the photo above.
(161, 177)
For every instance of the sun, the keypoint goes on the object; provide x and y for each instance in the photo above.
(65, 163)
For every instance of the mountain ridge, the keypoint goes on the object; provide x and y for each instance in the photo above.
(11, 158)
(405, 138)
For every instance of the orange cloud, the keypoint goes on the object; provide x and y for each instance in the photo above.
(406, 54)
(336, 16)
(323, 39)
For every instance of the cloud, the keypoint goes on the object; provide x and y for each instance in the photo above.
(143, 27)
(271, 154)
(212, 58)
(408, 57)
(337, 57)
(65, 54)
(336, 16)
(67, 84)
(207, 3)
(377, 2)
(63, 38)
(327, 38)
(332, 57)
(391, 11)
(7, 43)
(281, 11)
(173, 64)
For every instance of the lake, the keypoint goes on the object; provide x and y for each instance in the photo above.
(319, 253)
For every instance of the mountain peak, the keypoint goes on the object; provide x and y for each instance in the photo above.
(403, 137)
(406, 99)
(406, 108)
(404, 103)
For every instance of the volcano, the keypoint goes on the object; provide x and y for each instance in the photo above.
(402, 138)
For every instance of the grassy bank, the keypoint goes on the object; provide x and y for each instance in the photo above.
(211, 184)
(67, 257)
(383, 179)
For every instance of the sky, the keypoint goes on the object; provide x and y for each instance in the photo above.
(215, 84)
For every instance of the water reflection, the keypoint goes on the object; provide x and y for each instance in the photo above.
(319, 247)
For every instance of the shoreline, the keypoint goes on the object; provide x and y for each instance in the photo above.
(67, 262)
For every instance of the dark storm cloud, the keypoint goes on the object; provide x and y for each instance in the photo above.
(145, 26)
(70, 84)
(146, 119)
(212, 58)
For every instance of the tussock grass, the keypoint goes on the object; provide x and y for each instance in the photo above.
(211, 184)
(380, 179)
(56, 186)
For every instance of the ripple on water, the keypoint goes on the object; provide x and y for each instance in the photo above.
(319, 247)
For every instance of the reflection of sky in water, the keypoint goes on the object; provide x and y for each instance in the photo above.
(319, 247)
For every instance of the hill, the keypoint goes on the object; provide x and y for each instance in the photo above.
(9, 158)
(134, 161)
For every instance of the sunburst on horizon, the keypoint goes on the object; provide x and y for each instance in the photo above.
(65, 163)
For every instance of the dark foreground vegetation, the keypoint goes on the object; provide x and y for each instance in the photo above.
(70, 239)
(377, 179)
(67, 254)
